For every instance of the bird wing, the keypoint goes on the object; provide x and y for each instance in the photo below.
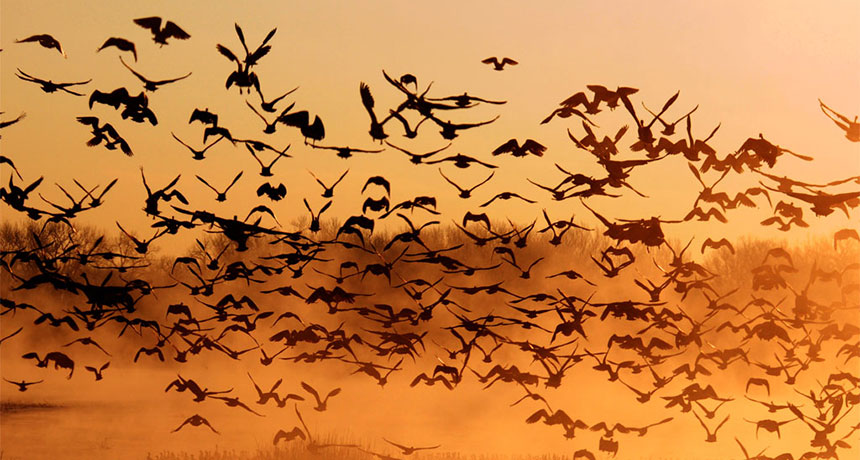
(227, 53)
(172, 30)
(367, 99)
(507, 147)
(399, 446)
(152, 23)
(312, 391)
(171, 80)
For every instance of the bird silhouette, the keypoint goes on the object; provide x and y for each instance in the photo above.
(152, 85)
(499, 64)
(49, 86)
(161, 34)
(322, 404)
(222, 195)
(410, 450)
(377, 131)
(851, 127)
(466, 192)
(197, 154)
(23, 385)
(120, 44)
(98, 371)
(417, 158)
(287, 436)
(196, 420)
(44, 40)
(513, 147)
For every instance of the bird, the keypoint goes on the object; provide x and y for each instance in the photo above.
(222, 195)
(328, 191)
(315, 131)
(204, 116)
(7, 123)
(711, 435)
(87, 341)
(345, 152)
(23, 385)
(417, 158)
(845, 234)
(851, 128)
(380, 205)
(377, 132)
(274, 193)
(98, 372)
(769, 425)
(196, 420)
(322, 404)
(758, 382)
(269, 106)
(315, 217)
(11, 335)
(449, 129)
(466, 192)
(462, 161)
(409, 132)
(506, 196)
(197, 154)
(266, 170)
(378, 180)
(45, 40)
(270, 126)
(465, 100)
(243, 77)
(499, 65)
(152, 85)
(722, 243)
(288, 436)
(105, 133)
(513, 147)
(149, 352)
(121, 44)
(410, 450)
(235, 402)
(141, 246)
(669, 128)
(60, 360)
(49, 86)
(161, 34)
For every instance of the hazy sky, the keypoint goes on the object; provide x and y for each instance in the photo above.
(755, 68)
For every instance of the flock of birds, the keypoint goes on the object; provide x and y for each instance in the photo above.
(469, 309)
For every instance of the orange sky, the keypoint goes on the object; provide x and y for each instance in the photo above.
(754, 68)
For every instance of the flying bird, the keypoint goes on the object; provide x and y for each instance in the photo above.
(45, 40)
(196, 420)
(152, 85)
(322, 404)
(120, 44)
(22, 385)
(161, 34)
(222, 195)
(499, 65)
(49, 86)
(722, 243)
(513, 147)
(410, 450)
(851, 128)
